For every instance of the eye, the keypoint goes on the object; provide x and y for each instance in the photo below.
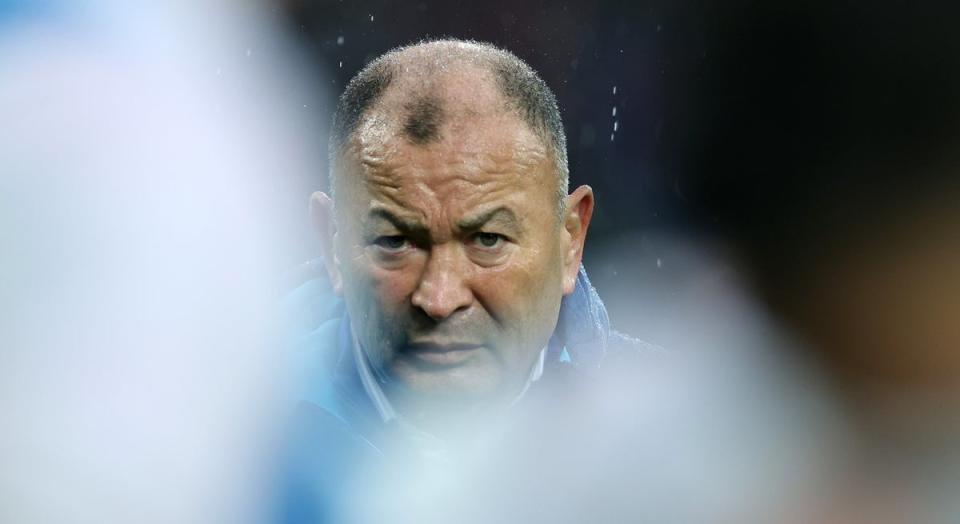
(488, 240)
(391, 242)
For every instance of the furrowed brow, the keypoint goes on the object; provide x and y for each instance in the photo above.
(403, 224)
(502, 215)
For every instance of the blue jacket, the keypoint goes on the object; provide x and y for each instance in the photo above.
(336, 425)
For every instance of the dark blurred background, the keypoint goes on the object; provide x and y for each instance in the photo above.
(622, 74)
(797, 144)
(778, 190)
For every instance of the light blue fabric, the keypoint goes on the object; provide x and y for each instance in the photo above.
(13, 10)
(316, 317)
(338, 424)
(583, 328)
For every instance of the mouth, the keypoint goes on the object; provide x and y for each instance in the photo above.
(441, 354)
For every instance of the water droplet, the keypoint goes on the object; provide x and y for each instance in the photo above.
(659, 263)
(371, 18)
(339, 40)
(614, 89)
(611, 137)
(614, 110)
(341, 64)
(614, 126)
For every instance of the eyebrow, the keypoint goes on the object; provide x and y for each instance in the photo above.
(502, 214)
(404, 224)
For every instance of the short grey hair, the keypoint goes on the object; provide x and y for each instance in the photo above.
(525, 92)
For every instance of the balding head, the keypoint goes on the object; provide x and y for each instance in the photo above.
(427, 87)
(452, 239)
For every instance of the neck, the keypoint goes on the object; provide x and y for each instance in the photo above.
(450, 417)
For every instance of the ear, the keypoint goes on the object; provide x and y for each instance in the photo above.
(321, 215)
(576, 220)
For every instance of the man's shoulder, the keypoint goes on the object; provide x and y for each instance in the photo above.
(585, 334)
(314, 321)
(308, 299)
(623, 346)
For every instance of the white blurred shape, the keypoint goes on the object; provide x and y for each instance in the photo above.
(144, 220)
(728, 424)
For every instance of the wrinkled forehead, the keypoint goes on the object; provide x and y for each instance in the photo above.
(435, 134)
(476, 159)
(424, 107)
(387, 138)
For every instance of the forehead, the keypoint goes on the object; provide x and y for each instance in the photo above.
(481, 151)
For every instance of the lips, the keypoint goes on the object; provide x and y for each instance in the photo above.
(441, 353)
(435, 347)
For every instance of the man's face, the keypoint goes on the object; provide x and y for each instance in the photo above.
(451, 253)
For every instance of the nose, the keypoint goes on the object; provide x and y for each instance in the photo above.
(443, 288)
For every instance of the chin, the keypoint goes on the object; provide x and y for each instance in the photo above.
(462, 383)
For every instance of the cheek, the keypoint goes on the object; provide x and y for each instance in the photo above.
(524, 290)
(378, 301)
(383, 288)
(392, 286)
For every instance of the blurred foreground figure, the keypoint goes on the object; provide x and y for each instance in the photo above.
(451, 238)
(831, 158)
(145, 162)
